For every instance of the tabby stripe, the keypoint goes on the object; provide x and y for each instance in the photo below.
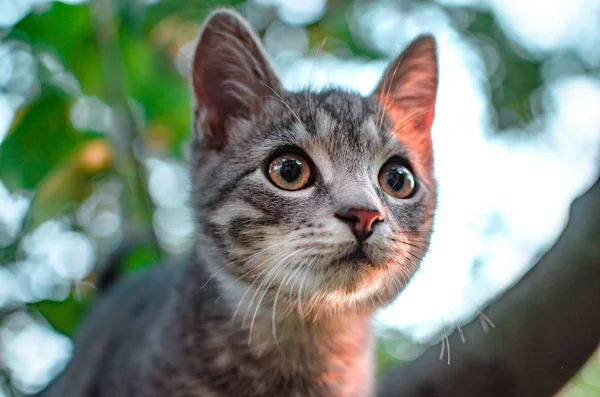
(228, 188)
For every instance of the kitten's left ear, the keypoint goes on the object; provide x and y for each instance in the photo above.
(409, 86)
(232, 77)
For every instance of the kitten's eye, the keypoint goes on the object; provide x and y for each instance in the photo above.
(396, 180)
(289, 171)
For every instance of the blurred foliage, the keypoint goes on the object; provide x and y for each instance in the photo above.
(45, 154)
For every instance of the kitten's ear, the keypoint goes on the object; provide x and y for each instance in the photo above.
(409, 86)
(231, 77)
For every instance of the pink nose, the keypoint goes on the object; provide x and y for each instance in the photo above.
(360, 220)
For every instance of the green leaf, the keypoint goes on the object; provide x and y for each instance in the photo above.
(42, 139)
(521, 76)
(64, 316)
(66, 31)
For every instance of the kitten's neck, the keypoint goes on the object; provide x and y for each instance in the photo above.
(271, 323)
(334, 352)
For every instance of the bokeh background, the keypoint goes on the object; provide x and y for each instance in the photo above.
(95, 117)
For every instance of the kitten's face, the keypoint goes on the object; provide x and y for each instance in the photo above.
(319, 203)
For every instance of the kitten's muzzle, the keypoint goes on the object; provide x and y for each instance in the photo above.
(360, 220)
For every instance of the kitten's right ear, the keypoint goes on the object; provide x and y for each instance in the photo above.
(231, 77)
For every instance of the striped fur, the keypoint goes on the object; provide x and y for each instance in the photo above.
(271, 303)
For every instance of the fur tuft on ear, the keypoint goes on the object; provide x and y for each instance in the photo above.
(231, 77)
(409, 86)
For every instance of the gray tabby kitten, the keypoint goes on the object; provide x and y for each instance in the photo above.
(313, 210)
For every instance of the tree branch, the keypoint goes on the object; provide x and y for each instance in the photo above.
(127, 132)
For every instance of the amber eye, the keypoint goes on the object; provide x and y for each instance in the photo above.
(396, 180)
(289, 171)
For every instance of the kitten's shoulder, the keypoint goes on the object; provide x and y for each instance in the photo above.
(140, 297)
(115, 332)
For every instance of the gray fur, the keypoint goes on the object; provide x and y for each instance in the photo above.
(271, 303)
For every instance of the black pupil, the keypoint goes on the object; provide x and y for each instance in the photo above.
(290, 170)
(396, 178)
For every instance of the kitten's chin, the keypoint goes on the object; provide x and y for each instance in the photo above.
(354, 258)
(359, 285)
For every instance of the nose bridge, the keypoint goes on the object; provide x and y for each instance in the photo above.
(356, 191)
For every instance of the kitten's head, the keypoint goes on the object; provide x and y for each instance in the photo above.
(319, 203)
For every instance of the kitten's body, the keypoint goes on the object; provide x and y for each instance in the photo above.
(278, 299)
(167, 337)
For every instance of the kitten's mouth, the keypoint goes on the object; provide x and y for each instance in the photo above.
(355, 257)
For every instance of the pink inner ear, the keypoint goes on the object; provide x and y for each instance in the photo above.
(429, 117)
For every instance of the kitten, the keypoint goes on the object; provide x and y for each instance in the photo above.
(313, 210)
